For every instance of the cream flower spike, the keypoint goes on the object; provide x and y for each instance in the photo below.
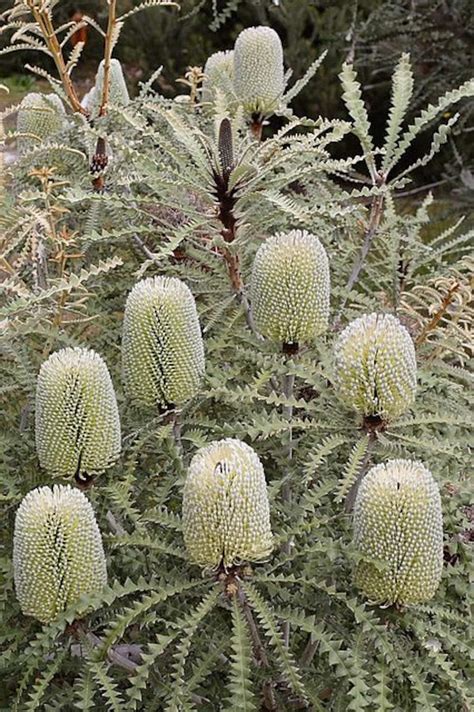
(57, 551)
(376, 366)
(290, 288)
(162, 347)
(226, 515)
(398, 528)
(77, 418)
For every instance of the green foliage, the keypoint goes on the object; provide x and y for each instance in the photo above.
(192, 195)
(39, 118)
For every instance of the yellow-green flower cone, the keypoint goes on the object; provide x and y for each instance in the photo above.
(226, 515)
(259, 78)
(162, 347)
(57, 551)
(77, 419)
(398, 529)
(290, 288)
(376, 366)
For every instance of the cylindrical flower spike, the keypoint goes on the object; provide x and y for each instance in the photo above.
(57, 551)
(77, 419)
(162, 347)
(376, 366)
(41, 115)
(226, 515)
(218, 74)
(290, 288)
(259, 79)
(398, 529)
(118, 92)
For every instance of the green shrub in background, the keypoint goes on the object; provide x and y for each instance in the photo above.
(287, 523)
(372, 33)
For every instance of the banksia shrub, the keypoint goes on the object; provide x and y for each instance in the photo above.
(259, 79)
(41, 115)
(218, 74)
(162, 347)
(398, 526)
(376, 366)
(57, 551)
(290, 288)
(226, 516)
(77, 419)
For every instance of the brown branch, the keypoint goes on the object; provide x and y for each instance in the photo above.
(269, 703)
(309, 652)
(421, 188)
(43, 17)
(115, 526)
(109, 45)
(433, 323)
(226, 199)
(258, 647)
(126, 657)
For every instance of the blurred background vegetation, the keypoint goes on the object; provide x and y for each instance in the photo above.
(438, 34)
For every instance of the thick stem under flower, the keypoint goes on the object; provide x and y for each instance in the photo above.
(269, 704)
(256, 126)
(232, 260)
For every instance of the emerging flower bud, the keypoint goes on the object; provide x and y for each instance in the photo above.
(259, 79)
(57, 551)
(290, 288)
(77, 419)
(398, 528)
(376, 366)
(218, 74)
(226, 516)
(42, 115)
(162, 347)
